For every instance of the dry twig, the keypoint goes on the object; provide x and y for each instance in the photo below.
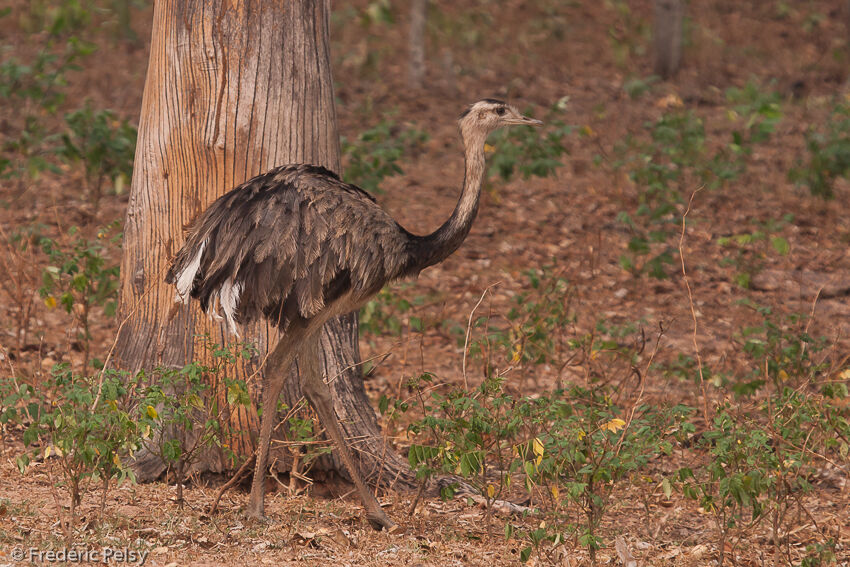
(693, 309)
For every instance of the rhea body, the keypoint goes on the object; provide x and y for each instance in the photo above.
(298, 246)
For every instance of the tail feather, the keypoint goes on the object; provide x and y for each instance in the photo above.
(183, 274)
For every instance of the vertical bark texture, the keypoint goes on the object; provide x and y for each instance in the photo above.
(416, 70)
(234, 88)
(667, 40)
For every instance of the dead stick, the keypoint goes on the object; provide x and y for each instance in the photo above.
(693, 310)
(416, 500)
(233, 480)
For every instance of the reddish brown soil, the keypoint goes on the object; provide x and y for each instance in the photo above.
(567, 221)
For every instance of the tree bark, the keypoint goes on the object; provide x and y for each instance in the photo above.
(234, 88)
(416, 68)
(667, 40)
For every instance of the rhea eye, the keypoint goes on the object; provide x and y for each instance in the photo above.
(500, 111)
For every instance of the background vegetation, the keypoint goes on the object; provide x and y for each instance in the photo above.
(641, 351)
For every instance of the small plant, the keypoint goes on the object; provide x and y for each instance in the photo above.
(85, 423)
(31, 153)
(629, 35)
(729, 486)
(473, 434)
(105, 146)
(828, 147)
(661, 168)
(801, 431)
(80, 277)
(754, 247)
(375, 154)
(584, 447)
(534, 331)
(756, 112)
(759, 465)
(782, 353)
(40, 83)
(526, 151)
(35, 89)
(181, 411)
(20, 266)
(566, 447)
(15, 396)
(636, 87)
(685, 368)
(819, 554)
(674, 161)
(380, 316)
(57, 18)
(302, 438)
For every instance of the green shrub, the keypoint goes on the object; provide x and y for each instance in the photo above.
(754, 247)
(531, 152)
(375, 153)
(35, 89)
(80, 274)
(662, 169)
(381, 314)
(181, 412)
(781, 352)
(105, 146)
(828, 159)
(474, 435)
(583, 449)
(674, 161)
(86, 424)
(534, 331)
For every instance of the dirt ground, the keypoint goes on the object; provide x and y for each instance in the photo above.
(532, 54)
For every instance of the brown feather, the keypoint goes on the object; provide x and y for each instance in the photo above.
(293, 238)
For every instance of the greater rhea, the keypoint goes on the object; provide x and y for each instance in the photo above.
(298, 246)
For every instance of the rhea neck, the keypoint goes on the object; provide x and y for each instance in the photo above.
(440, 244)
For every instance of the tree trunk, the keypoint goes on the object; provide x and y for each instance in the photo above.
(667, 41)
(416, 70)
(234, 88)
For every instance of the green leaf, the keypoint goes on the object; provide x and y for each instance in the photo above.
(780, 245)
(22, 461)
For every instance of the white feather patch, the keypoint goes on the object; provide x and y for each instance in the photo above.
(187, 275)
(229, 299)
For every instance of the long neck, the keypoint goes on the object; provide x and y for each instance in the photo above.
(440, 244)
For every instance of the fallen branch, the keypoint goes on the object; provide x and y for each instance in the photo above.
(693, 309)
(233, 480)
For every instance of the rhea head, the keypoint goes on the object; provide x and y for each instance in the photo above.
(485, 116)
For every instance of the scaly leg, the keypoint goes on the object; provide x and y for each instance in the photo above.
(319, 396)
(275, 375)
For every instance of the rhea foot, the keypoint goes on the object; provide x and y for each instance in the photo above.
(380, 521)
(255, 512)
(260, 518)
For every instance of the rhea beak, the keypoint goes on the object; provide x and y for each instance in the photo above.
(525, 120)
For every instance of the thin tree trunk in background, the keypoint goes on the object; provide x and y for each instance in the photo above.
(234, 88)
(667, 40)
(418, 15)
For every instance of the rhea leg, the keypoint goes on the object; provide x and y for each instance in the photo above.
(319, 396)
(276, 373)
